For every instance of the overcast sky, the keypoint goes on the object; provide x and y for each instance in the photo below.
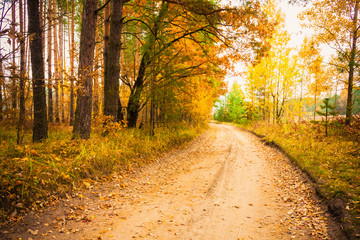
(292, 25)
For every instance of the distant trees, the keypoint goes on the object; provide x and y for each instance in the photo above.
(233, 107)
(282, 81)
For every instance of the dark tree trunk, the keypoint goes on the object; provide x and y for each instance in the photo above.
(13, 72)
(134, 98)
(96, 90)
(134, 103)
(112, 63)
(106, 31)
(1, 86)
(106, 36)
(22, 75)
(82, 124)
(40, 130)
(120, 116)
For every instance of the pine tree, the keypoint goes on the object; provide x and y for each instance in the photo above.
(40, 130)
(327, 110)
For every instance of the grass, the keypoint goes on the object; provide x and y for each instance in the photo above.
(332, 161)
(34, 174)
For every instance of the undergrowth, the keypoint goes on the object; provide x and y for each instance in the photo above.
(34, 174)
(332, 161)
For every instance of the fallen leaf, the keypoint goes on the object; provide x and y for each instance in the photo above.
(33, 232)
(20, 205)
(33, 152)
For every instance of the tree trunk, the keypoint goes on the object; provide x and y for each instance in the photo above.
(42, 22)
(40, 130)
(13, 72)
(134, 98)
(112, 64)
(72, 97)
(315, 103)
(49, 56)
(135, 94)
(1, 85)
(82, 124)
(97, 76)
(106, 32)
(22, 74)
(56, 62)
(69, 39)
(352, 62)
(152, 86)
(61, 63)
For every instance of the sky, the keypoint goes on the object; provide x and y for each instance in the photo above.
(292, 25)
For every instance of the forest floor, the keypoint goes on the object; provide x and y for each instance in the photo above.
(226, 184)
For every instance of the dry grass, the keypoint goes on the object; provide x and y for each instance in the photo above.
(32, 175)
(333, 161)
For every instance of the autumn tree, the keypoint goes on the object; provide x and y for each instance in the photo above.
(40, 129)
(168, 24)
(320, 80)
(272, 80)
(336, 23)
(82, 123)
(271, 83)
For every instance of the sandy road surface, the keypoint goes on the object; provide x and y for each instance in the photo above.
(225, 185)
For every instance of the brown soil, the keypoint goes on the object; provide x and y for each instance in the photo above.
(225, 185)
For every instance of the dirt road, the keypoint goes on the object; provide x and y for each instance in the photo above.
(225, 185)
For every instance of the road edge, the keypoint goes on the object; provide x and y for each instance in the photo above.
(336, 206)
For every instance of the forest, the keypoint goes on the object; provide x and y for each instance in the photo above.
(93, 88)
(135, 78)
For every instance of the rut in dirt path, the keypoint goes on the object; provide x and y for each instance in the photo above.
(234, 188)
(225, 185)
